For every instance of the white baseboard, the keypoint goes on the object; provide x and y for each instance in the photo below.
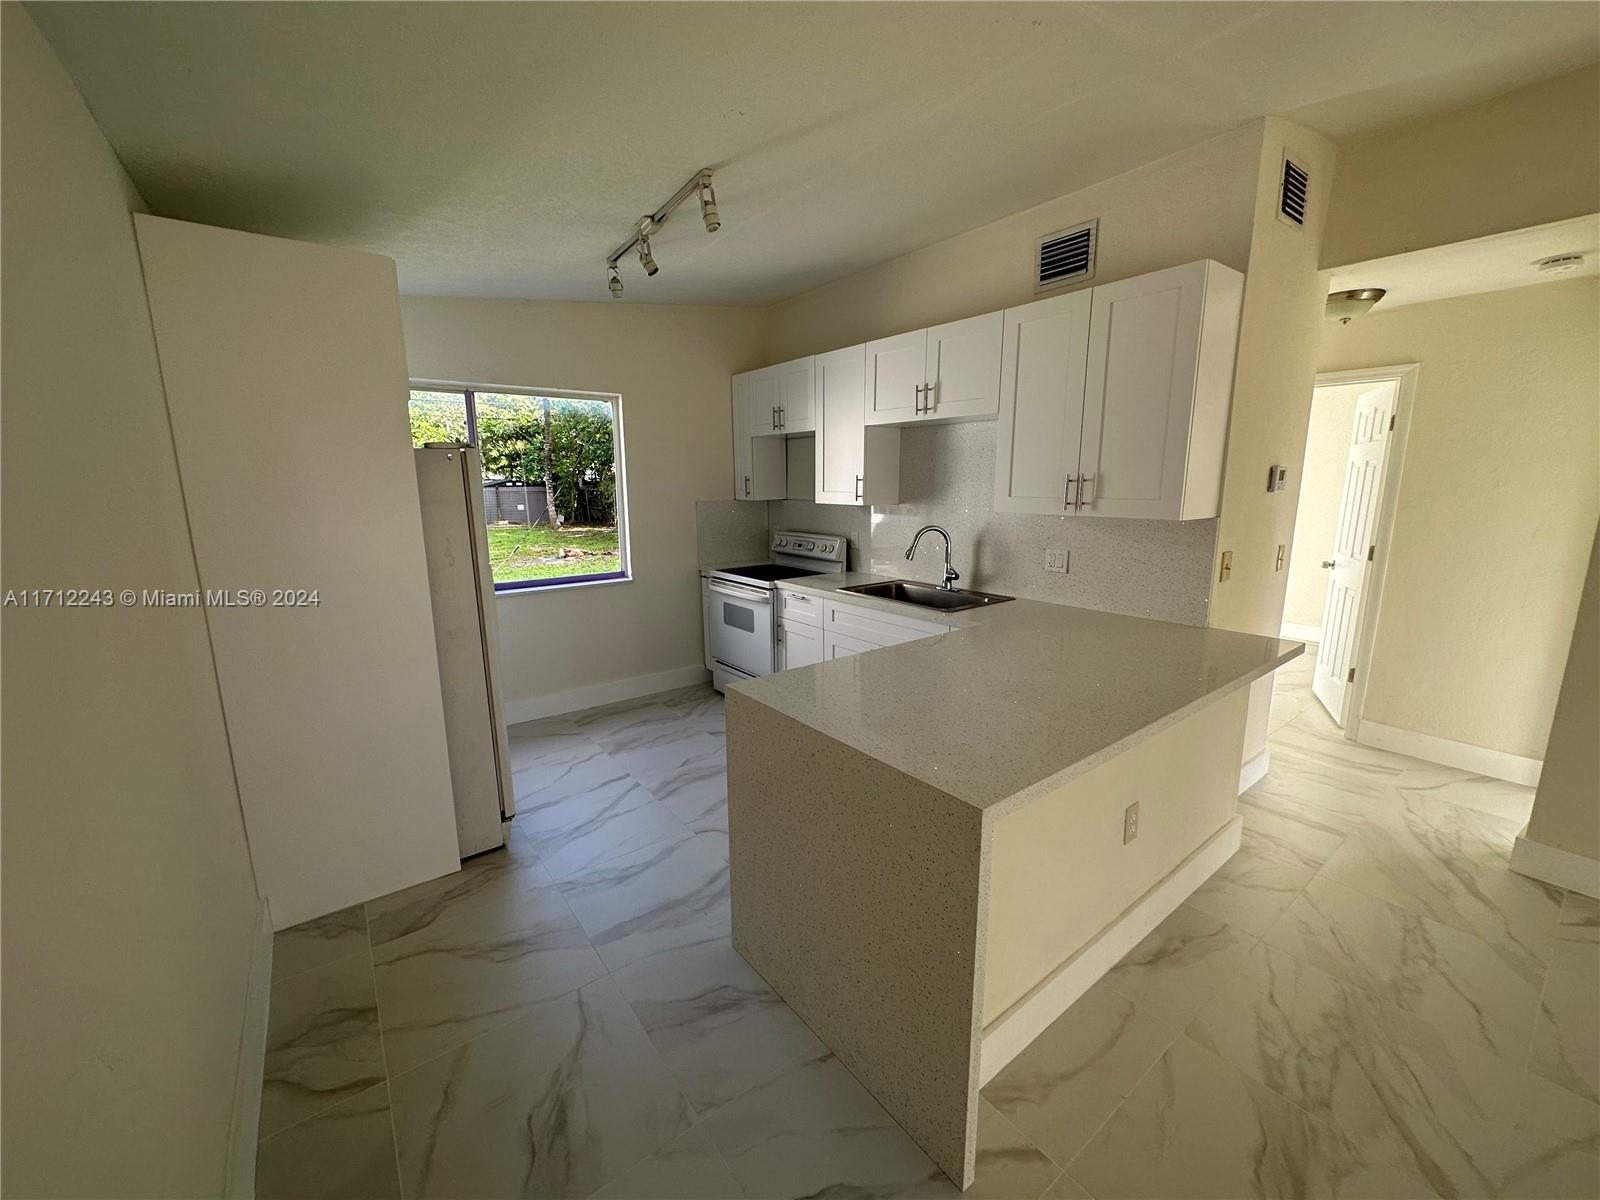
(551, 704)
(1480, 760)
(1254, 770)
(1009, 1034)
(1551, 864)
(245, 1124)
(1300, 633)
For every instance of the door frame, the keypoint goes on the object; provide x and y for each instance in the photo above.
(1404, 376)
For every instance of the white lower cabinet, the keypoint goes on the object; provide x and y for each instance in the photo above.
(852, 629)
(798, 645)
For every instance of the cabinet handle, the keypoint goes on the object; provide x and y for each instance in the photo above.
(774, 417)
(747, 485)
(1066, 492)
(916, 405)
(928, 401)
(783, 418)
(858, 487)
(1085, 494)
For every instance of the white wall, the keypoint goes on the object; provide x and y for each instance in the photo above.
(1333, 410)
(129, 906)
(1526, 158)
(1496, 511)
(1192, 204)
(671, 365)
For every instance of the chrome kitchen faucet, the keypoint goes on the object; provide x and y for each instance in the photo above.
(950, 573)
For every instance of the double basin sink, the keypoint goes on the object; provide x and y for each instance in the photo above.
(926, 595)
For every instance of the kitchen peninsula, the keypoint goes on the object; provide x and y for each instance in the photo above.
(934, 847)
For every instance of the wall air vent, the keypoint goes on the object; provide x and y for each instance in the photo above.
(1292, 195)
(1066, 256)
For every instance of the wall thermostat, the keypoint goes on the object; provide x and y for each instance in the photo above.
(1277, 478)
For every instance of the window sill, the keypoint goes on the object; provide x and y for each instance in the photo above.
(561, 585)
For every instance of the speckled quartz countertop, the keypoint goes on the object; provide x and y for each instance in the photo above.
(1016, 699)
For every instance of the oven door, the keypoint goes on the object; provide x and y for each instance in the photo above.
(740, 625)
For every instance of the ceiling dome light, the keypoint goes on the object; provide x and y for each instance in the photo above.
(1344, 307)
(1560, 264)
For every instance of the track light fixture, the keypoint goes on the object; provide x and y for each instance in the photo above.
(699, 184)
(708, 204)
(646, 227)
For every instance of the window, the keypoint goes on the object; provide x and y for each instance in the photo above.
(552, 478)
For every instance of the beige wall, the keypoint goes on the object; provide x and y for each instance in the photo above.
(1526, 158)
(128, 898)
(671, 365)
(1189, 205)
(1278, 332)
(1316, 518)
(1566, 811)
(1497, 505)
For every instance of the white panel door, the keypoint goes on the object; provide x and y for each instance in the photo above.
(1355, 543)
(1044, 356)
(800, 645)
(796, 385)
(841, 433)
(896, 374)
(963, 369)
(285, 375)
(1144, 342)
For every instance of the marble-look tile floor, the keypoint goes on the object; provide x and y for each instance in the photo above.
(1363, 1002)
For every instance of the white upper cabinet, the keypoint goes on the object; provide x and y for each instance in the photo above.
(1044, 359)
(962, 372)
(896, 377)
(1157, 393)
(855, 464)
(1114, 400)
(760, 464)
(948, 373)
(796, 385)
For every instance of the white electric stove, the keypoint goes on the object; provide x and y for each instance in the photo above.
(741, 603)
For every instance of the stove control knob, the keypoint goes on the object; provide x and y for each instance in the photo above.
(781, 543)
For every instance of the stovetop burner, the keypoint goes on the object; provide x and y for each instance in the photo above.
(768, 572)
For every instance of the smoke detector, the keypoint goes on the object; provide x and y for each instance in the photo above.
(1560, 264)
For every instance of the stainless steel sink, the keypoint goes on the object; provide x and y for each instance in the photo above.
(926, 595)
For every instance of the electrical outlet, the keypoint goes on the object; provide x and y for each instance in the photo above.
(1130, 823)
(1056, 560)
(1282, 550)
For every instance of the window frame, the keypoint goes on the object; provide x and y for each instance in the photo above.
(469, 393)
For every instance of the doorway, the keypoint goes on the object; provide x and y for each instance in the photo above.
(1349, 483)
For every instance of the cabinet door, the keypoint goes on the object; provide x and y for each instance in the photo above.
(796, 383)
(760, 463)
(838, 645)
(841, 435)
(1044, 357)
(896, 372)
(1144, 341)
(963, 369)
(801, 645)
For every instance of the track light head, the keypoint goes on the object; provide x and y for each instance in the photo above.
(708, 206)
(645, 261)
(615, 282)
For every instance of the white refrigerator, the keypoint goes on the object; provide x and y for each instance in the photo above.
(450, 487)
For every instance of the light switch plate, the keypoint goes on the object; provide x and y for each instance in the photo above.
(1282, 551)
(1227, 566)
(1056, 560)
(1130, 823)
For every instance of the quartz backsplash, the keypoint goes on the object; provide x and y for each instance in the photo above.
(1157, 569)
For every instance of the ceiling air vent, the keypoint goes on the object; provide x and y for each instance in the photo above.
(1066, 256)
(1292, 198)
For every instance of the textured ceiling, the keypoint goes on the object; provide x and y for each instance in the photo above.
(503, 149)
